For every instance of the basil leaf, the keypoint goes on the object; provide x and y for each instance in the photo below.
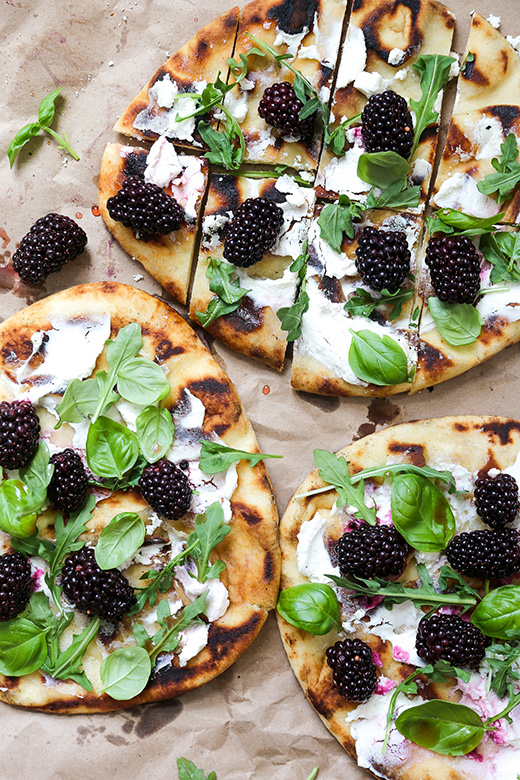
(125, 672)
(14, 520)
(498, 614)
(215, 457)
(334, 470)
(434, 71)
(457, 323)
(155, 431)
(383, 169)
(112, 449)
(188, 771)
(442, 726)
(22, 137)
(79, 401)
(421, 513)
(23, 647)
(336, 219)
(124, 347)
(36, 476)
(47, 108)
(376, 359)
(210, 530)
(141, 381)
(119, 540)
(311, 606)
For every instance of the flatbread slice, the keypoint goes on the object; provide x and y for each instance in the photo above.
(253, 328)
(486, 111)
(466, 447)
(154, 110)
(62, 337)
(384, 40)
(321, 354)
(167, 258)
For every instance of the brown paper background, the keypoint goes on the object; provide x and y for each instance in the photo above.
(252, 721)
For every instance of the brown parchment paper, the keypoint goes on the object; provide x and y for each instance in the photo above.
(252, 721)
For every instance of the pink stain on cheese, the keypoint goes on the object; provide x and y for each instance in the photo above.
(37, 577)
(475, 756)
(401, 655)
(376, 659)
(384, 687)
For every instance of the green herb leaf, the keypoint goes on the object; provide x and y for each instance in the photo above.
(336, 140)
(23, 647)
(229, 293)
(48, 107)
(312, 607)
(141, 381)
(434, 70)
(335, 471)
(80, 401)
(508, 177)
(442, 726)
(421, 513)
(22, 137)
(155, 432)
(125, 672)
(457, 323)
(119, 540)
(498, 614)
(14, 519)
(383, 169)
(409, 468)
(160, 581)
(376, 359)
(67, 664)
(362, 303)
(215, 457)
(226, 148)
(454, 222)
(291, 316)
(502, 250)
(112, 449)
(210, 530)
(336, 219)
(501, 659)
(395, 197)
(119, 351)
(188, 771)
(167, 638)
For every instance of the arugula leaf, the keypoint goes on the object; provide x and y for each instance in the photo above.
(335, 471)
(395, 197)
(188, 771)
(383, 169)
(291, 316)
(501, 658)
(362, 303)
(434, 70)
(160, 581)
(210, 530)
(215, 457)
(167, 638)
(502, 250)
(407, 468)
(226, 148)
(336, 140)
(279, 170)
(458, 323)
(508, 172)
(45, 117)
(451, 222)
(67, 664)
(336, 219)
(228, 292)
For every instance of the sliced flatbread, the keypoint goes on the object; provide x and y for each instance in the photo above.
(62, 337)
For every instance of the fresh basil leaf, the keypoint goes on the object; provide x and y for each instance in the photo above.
(210, 530)
(336, 219)
(36, 476)
(125, 672)
(188, 771)
(395, 197)
(112, 449)
(421, 513)
(442, 726)
(311, 606)
(22, 137)
(79, 401)
(377, 359)
(502, 251)
(383, 169)
(124, 347)
(434, 71)
(14, 519)
(155, 432)
(451, 221)
(141, 381)
(47, 108)
(23, 647)
(335, 471)
(457, 323)
(498, 614)
(508, 172)
(362, 303)
(215, 457)
(119, 540)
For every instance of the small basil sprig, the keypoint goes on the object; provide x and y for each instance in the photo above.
(311, 606)
(112, 449)
(459, 324)
(508, 171)
(383, 169)
(498, 614)
(215, 457)
(228, 293)
(119, 540)
(453, 222)
(442, 726)
(335, 471)
(291, 316)
(502, 250)
(378, 360)
(22, 499)
(188, 771)
(421, 513)
(434, 71)
(45, 118)
(362, 303)
(155, 431)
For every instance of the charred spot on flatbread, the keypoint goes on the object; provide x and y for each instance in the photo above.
(401, 14)
(293, 16)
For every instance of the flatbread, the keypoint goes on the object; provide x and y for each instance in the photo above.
(466, 446)
(199, 389)
(167, 258)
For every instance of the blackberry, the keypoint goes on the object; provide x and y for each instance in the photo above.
(67, 489)
(353, 671)
(452, 639)
(19, 433)
(383, 258)
(281, 109)
(386, 124)
(496, 499)
(145, 208)
(252, 232)
(371, 551)
(454, 268)
(15, 584)
(105, 594)
(485, 553)
(52, 241)
(166, 488)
